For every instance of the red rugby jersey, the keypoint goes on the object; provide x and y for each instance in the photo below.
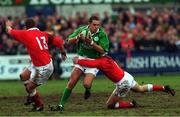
(107, 65)
(37, 43)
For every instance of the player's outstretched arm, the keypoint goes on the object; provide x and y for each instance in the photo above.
(86, 63)
(58, 42)
(63, 53)
(75, 39)
(18, 35)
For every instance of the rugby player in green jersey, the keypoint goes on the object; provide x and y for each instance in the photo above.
(91, 42)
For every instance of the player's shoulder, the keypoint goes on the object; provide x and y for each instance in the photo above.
(82, 27)
(44, 32)
(18, 30)
(34, 31)
(41, 32)
(101, 30)
(22, 32)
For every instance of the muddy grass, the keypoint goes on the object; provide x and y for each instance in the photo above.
(150, 104)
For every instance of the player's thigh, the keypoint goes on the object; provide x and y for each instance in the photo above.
(123, 87)
(42, 74)
(75, 75)
(90, 74)
(25, 75)
(136, 88)
(139, 88)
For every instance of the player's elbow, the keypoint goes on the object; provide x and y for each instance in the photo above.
(71, 41)
(110, 106)
(102, 52)
(68, 42)
(9, 31)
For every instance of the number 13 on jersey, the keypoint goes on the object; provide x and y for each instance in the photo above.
(42, 43)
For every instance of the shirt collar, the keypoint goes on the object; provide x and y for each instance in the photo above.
(95, 32)
(34, 28)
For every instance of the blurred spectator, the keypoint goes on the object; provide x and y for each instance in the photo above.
(155, 31)
(144, 31)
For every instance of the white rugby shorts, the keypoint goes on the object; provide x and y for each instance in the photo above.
(124, 85)
(41, 74)
(86, 70)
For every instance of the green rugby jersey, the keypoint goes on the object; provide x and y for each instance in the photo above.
(83, 49)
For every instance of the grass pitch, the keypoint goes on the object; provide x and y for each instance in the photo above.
(12, 97)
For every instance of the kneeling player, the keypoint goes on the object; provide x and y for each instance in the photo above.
(123, 80)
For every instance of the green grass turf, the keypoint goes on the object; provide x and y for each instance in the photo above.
(12, 97)
(100, 84)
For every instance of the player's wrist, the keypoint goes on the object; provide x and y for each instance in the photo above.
(92, 42)
(8, 28)
(77, 38)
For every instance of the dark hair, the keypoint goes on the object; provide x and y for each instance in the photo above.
(30, 23)
(93, 18)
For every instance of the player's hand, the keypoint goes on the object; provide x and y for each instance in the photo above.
(8, 25)
(89, 40)
(80, 36)
(75, 59)
(63, 55)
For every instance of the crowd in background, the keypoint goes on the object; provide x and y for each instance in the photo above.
(142, 31)
(139, 31)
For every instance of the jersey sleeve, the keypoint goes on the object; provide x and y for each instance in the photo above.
(56, 41)
(18, 35)
(89, 63)
(75, 33)
(104, 42)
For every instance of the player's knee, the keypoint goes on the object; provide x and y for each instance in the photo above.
(24, 77)
(138, 88)
(70, 85)
(87, 85)
(29, 88)
(141, 89)
(21, 77)
(72, 82)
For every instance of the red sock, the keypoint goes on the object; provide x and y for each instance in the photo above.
(158, 88)
(37, 100)
(123, 104)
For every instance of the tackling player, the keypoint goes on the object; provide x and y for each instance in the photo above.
(123, 80)
(41, 67)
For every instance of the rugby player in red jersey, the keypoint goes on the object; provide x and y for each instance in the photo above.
(41, 67)
(123, 80)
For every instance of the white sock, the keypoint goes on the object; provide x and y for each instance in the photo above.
(149, 87)
(32, 93)
(116, 105)
(25, 82)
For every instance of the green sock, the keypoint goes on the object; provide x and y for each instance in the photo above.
(88, 89)
(65, 96)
